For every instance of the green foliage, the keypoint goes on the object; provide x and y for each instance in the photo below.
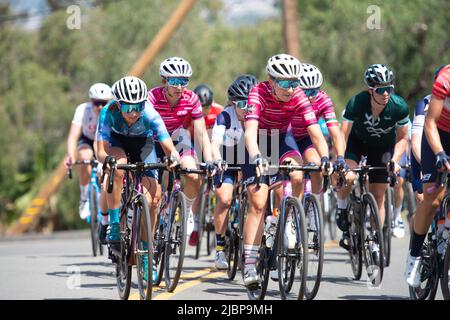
(45, 73)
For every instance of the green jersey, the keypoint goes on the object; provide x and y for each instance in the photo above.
(380, 132)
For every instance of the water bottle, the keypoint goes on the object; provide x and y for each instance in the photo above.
(269, 230)
(129, 217)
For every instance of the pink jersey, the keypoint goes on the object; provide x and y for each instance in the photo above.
(273, 114)
(323, 108)
(189, 107)
(441, 89)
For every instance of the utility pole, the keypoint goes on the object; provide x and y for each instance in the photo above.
(291, 28)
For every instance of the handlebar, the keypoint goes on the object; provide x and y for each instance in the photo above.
(92, 163)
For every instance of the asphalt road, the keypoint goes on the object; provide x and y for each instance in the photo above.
(61, 266)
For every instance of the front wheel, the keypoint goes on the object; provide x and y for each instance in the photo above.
(429, 275)
(176, 241)
(94, 223)
(372, 240)
(144, 249)
(445, 281)
(387, 228)
(355, 243)
(292, 250)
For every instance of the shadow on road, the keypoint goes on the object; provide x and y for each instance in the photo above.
(373, 297)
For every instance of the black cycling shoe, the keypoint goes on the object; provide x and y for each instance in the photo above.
(341, 219)
(344, 242)
(102, 234)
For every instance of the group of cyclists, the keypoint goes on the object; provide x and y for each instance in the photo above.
(128, 123)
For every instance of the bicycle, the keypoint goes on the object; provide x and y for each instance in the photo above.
(233, 233)
(131, 249)
(365, 231)
(94, 204)
(329, 204)
(435, 254)
(171, 230)
(206, 220)
(290, 259)
(389, 214)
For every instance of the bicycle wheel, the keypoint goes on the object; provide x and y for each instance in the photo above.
(330, 217)
(242, 215)
(372, 240)
(158, 254)
(176, 241)
(231, 243)
(410, 199)
(123, 268)
(429, 275)
(204, 207)
(210, 231)
(143, 232)
(355, 243)
(94, 223)
(445, 281)
(387, 228)
(315, 243)
(292, 251)
(259, 292)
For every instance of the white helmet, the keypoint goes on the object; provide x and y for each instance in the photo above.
(100, 91)
(311, 77)
(175, 67)
(130, 90)
(284, 66)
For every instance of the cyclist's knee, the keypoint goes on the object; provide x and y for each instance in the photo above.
(193, 179)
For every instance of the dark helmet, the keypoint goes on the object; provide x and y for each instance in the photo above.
(205, 94)
(241, 86)
(379, 75)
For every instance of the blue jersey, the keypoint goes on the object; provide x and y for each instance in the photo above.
(148, 125)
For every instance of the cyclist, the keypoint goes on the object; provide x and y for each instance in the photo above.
(310, 81)
(81, 140)
(434, 156)
(398, 230)
(420, 112)
(270, 107)
(125, 132)
(374, 117)
(211, 109)
(227, 137)
(178, 106)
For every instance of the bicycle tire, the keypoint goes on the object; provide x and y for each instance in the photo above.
(204, 203)
(355, 243)
(315, 246)
(429, 275)
(176, 241)
(410, 199)
(242, 214)
(292, 263)
(141, 210)
(159, 252)
(231, 244)
(445, 280)
(93, 208)
(123, 268)
(387, 227)
(372, 233)
(210, 230)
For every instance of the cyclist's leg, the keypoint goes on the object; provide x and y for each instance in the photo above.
(311, 156)
(289, 151)
(84, 152)
(379, 190)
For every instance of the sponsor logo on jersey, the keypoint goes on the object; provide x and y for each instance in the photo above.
(310, 116)
(181, 112)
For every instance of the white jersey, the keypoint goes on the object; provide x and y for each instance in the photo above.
(227, 129)
(86, 118)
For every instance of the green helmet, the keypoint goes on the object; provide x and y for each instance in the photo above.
(379, 75)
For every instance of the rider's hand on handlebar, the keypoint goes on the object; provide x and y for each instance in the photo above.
(68, 162)
(325, 165)
(108, 163)
(262, 165)
(221, 165)
(442, 163)
(393, 167)
(340, 164)
(210, 169)
(174, 160)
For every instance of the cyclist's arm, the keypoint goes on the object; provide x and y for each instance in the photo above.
(169, 148)
(401, 142)
(202, 137)
(103, 150)
(318, 139)
(430, 128)
(338, 140)
(346, 128)
(416, 140)
(251, 138)
(72, 140)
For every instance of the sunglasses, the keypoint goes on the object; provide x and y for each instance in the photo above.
(128, 107)
(382, 90)
(241, 104)
(175, 82)
(98, 103)
(311, 92)
(286, 84)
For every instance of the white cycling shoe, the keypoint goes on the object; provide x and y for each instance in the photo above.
(412, 271)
